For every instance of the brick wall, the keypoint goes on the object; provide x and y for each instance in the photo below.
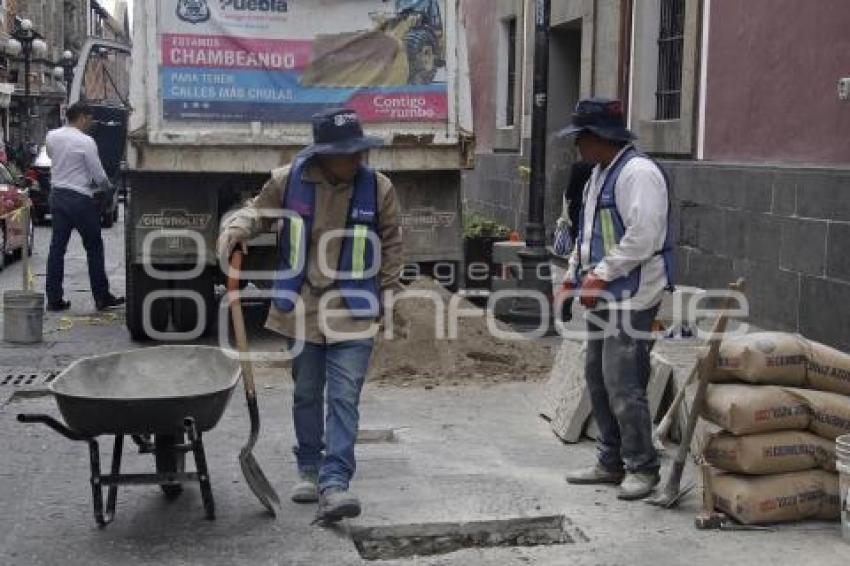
(787, 230)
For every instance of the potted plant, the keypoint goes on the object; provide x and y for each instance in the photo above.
(479, 235)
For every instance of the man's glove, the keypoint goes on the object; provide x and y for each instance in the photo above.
(591, 287)
(228, 241)
(563, 295)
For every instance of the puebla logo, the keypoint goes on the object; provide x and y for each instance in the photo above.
(193, 11)
(280, 6)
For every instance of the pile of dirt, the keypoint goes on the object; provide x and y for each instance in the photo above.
(416, 356)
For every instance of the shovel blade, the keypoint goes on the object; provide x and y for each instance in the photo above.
(669, 497)
(259, 484)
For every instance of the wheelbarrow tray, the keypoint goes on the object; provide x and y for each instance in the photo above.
(146, 391)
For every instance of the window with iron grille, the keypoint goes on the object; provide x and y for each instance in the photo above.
(671, 41)
(511, 75)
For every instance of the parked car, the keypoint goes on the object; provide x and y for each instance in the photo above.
(12, 232)
(40, 195)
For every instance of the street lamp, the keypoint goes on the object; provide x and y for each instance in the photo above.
(26, 42)
(65, 71)
(536, 273)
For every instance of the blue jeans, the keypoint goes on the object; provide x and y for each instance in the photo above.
(70, 211)
(617, 372)
(326, 444)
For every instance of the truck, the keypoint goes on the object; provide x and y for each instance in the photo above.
(222, 92)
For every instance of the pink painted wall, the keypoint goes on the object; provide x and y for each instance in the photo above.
(482, 41)
(773, 70)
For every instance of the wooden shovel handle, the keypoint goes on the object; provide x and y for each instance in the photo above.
(239, 325)
(235, 269)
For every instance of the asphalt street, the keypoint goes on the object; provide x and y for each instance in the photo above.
(461, 454)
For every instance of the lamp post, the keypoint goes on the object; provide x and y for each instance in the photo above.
(28, 44)
(536, 272)
(65, 72)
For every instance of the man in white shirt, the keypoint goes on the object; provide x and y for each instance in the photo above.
(620, 267)
(76, 175)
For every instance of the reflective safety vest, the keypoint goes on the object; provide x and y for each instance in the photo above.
(608, 229)
(357, 278)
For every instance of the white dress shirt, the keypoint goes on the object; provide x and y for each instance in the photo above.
(642, 201)
(76, 164)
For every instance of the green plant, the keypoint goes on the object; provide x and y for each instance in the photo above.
(477, 225)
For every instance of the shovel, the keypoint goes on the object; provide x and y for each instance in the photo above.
(672, 492)
(254, 475)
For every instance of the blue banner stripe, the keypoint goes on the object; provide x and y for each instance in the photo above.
(240, 111)
(262, 87)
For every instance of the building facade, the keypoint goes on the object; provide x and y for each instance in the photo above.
(63, 25)
(740, 102)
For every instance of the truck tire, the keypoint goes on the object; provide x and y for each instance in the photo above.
(186, 310)
(139, 285)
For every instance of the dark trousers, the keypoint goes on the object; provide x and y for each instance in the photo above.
(74, 211)
(617, 373)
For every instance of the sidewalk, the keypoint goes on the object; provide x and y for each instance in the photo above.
(462, 454)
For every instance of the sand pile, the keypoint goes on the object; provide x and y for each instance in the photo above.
(417, 357)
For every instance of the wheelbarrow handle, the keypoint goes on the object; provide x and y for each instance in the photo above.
(52, 423)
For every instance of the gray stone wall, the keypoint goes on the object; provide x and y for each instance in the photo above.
(785, 229)
(495, 189)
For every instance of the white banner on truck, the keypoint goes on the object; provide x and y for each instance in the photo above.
(284, 60)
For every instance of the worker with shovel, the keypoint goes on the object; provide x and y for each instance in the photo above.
(327, 190)
(619, 269)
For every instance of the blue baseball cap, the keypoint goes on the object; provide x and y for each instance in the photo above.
(601, 116)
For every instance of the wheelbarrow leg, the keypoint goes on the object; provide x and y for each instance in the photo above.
(201, 466)
(96, 485)
(112, 497)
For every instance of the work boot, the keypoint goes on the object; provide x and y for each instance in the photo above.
(595, 475)
(108, 302)
(307, 488)
(638, 485)
(59, 307)
(336, 504)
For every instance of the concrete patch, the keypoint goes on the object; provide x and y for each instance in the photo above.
(405, 541)
(377, 436)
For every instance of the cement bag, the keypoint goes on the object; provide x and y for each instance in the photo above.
(765, 358)
(796, 496)
(830, 412)
(828, 369)
(770, 453)
(748, 409)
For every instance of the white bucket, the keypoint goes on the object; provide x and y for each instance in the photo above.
(23, 317)
(842, 463)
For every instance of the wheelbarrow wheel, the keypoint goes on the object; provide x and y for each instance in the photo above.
(169, 460)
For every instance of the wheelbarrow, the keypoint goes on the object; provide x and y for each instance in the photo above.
(155, 396)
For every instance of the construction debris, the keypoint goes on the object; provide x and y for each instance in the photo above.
(427, 354)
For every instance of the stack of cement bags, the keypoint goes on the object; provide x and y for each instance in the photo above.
(781, 401)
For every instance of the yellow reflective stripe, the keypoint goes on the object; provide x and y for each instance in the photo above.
(358, 259)
(296, 230)
(609, 236)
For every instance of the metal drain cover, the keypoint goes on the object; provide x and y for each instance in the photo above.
(26, 378)
(429, 539)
